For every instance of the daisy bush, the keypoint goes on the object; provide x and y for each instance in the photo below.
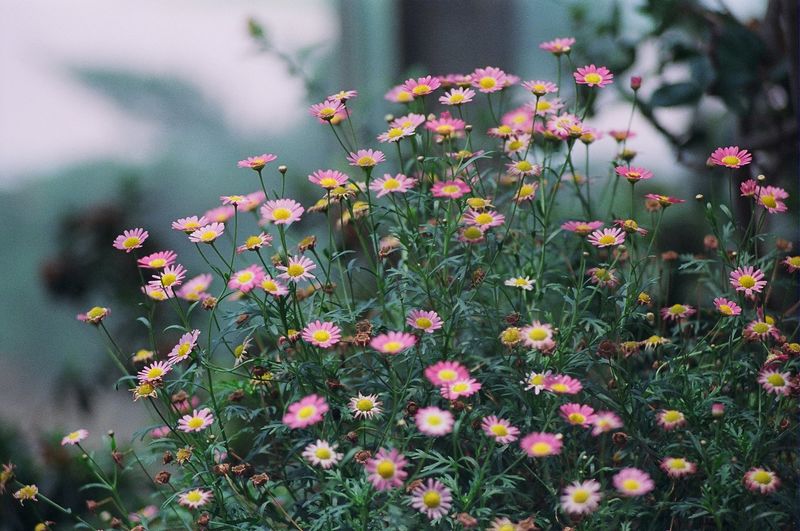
(481, 334)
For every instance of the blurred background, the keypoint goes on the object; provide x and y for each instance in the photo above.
(133, 113)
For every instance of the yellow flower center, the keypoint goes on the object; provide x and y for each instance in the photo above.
(507, 527)
(246, 277)
(515, 145)
(607, 239)
(168, 279)
(460, 387)
(328, 182)
(424, 322)
(673, 416)
(404, 96)
(155, 372)
(392, 346)
(731, 160)
(195, 423)
(506, 129)
(131, 241)
(450, 189)
(776, 380)
(487, 82)
(321, 335)
(269, 285)
(421, 90)
(385, 469)
(677, 464)
(769, 201)
(365, 404)
(365, 161)
(447, 375)
(194, 496)
(580, 496)
(747, 281)
(391, 184)
(761, 328)
(73, 436)
(434, 420)
(795, 261)
(526, 190)
(677, 309)
(762, 477)
(484, 219)
(538, 334)
(432, 499)
(322, 453)
(280, 214)
(472, 233)
(445, 129)
(96, 312)
(295, 270)
(631, 485)
(543, 105)
(499, 430)
(184, 349)
(541, 448)
(456, 98)
(536, 379)
(158, 263)
(208, 236)
(577, 418)
(306, 412)
(593, 78)
(395, 132)
(559, 388)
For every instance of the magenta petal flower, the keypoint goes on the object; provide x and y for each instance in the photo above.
(730, 157)
(432, 499)
(386, 470)
(633, 482)
(130, 240)
(593, 76)
(258, 162)
(393, 342)
(305, 412)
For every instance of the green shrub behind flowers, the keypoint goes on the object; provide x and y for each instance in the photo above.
(480, 336)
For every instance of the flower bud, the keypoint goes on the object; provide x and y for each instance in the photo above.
(283, 169)
(636, 82)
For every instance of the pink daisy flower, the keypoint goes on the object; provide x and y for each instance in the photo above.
(581, 227)
(95, 315)
(74, 437)
(607, 237)
(427, 321)
(489, 79)
(748, 188)
(761, 480)
(760, 330)
(220, 214)
(581, 497)
(255, 242)
(471, 235)
(328, 179)
(445, 372)
(207, 233)
(195, 288)
(196, 421)
(190, 224)
(422, 86)
(562, 384)
(541, 444)
(523, 168)
(386, 470)
(155, 292)
(727, 307)
(540, 88)
(365, 158)
(558, 46)
(234, 200)
(432, 499)
(158, 260)
(434, 421)
(186, 344)
(323, 454)
(792, 263)
(633, 173)
(664, 200)
(779, 383)
(396, 134)
(538, 335)
(485, 219)
(322, 335)
(677, 467)
(171, 277)
(565, 125)
(677, 312)
(247, 279)
(457, 96)
(605, 421)
(515, 121)
(748, 279)
(131, 239)
(771, 198)
(459, 388)
(399, 184)
(299, 268)
(365, 406)
(536, 381)
(195, 498)
(669, 419)
(526, 192)
(602, 277)
(411, 120)
(305, 412)
(577, 414)
(499, 429)
(252, 200)
(633, 482)
(730, 157)
(393, 342)
(344, 95)
(281, 211)
(594, 77)
(258, 162)
(452, 189)
(274, 287)
(326, 110)
(399, 94)
(445, 125)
